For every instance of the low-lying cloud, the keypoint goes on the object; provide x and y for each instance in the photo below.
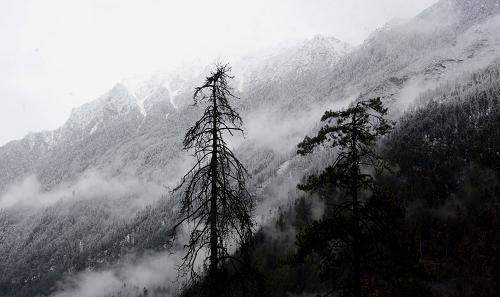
(91, 185)
(154, 272)
(282, 130)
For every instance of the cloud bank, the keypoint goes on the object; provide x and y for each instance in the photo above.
(91, 185)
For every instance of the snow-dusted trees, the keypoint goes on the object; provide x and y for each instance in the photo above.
(215, 200)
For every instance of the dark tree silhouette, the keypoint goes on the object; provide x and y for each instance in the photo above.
(353, 132)
(215, 199)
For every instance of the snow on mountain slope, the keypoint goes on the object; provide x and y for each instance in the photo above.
(136, 130)
(117, 103)
(292, 63)
(446, 39)
(310, 56)
(453, 35)
(116, 131)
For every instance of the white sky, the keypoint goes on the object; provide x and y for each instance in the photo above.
(59, 54)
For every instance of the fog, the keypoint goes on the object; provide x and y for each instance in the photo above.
(90, 185)
(278, 129)
(151, 271)
(57, 55)
(122, 49)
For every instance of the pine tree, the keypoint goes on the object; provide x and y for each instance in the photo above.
(353, 133)
(215, 199)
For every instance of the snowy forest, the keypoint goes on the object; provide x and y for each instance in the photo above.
(316, 169)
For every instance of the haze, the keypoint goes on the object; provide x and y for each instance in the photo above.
(58, 54)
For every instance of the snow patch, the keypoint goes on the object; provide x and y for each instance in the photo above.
(92, 131)
(172, 94)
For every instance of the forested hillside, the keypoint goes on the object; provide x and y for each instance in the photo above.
(448, 158)
(90, 204)
(444, 199)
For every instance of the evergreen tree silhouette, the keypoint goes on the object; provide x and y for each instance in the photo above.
(353, 132)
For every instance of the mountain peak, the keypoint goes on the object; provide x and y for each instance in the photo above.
(119, 90)
(461, 12)
(327, 42)
(117, 101)
(319, 51)
(315, 55)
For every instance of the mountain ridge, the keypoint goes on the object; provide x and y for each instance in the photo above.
(146, 142)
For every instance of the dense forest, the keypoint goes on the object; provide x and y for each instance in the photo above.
(438, 205)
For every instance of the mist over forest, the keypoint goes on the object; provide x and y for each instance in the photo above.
(308, 166)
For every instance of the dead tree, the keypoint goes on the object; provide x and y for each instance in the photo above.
(215, 200)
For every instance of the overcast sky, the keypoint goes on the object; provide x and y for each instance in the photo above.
(59, 54)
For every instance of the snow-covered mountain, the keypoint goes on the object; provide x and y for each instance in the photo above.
(442, 42)
(132, 135)
(296, 62)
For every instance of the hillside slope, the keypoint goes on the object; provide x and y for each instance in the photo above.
(132, 136)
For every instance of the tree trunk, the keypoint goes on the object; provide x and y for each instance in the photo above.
(213, 202)
(356, 232)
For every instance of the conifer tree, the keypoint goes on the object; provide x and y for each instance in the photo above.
(215, 200)
(353, 132)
